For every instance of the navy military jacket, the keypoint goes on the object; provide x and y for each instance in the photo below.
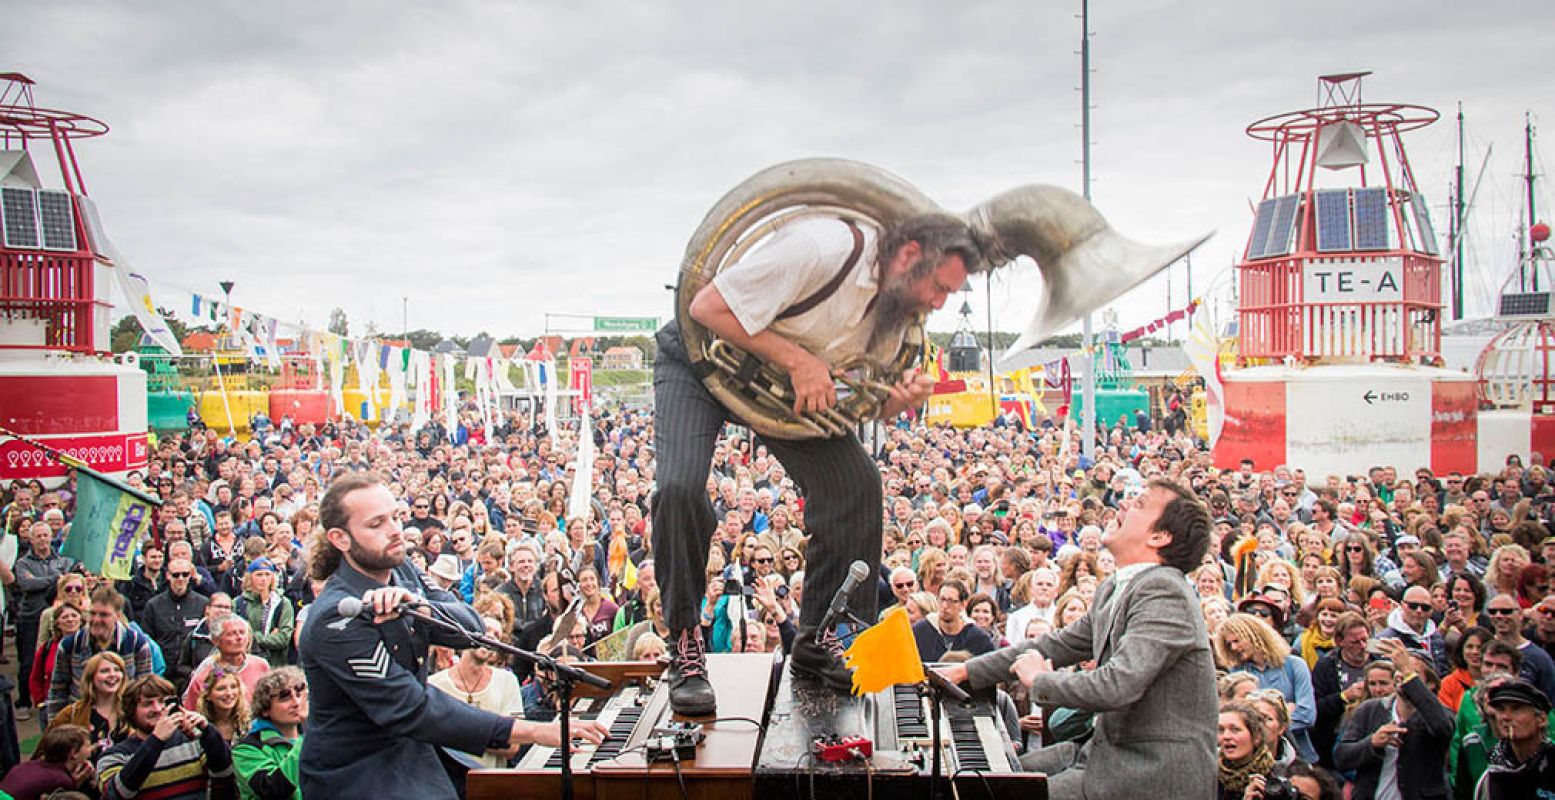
(375, 725)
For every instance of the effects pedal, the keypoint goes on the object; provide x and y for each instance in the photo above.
(674, 741)
(834, 748)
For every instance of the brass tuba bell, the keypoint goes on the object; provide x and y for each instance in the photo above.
(1085, 264)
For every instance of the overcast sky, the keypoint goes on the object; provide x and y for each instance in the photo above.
(494, 162)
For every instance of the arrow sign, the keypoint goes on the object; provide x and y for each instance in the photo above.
(1369, 396)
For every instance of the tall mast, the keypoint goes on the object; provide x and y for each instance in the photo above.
(1528, 179)
(1456, 227)
(1088, 387)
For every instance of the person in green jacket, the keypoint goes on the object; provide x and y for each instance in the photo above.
(1475, 736)
(269, 613)
(267, 758)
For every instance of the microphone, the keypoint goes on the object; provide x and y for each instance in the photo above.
(858, 572)
(354, 607)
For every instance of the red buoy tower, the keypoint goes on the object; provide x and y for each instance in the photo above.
(1339, 320)
(58, 383)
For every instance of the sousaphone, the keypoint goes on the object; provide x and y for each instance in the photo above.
(1084, 262)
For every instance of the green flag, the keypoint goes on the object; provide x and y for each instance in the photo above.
(110, 519)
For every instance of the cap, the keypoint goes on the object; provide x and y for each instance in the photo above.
(262, 565)
(1227, 521)
(1407, 539)
(972, 508)
(1520, 692)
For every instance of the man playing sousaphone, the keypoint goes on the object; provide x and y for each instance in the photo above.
(816, 294)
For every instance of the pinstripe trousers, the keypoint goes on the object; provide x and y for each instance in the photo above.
(839, 481)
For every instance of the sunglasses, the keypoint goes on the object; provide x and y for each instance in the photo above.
(907, 585)
(1419, 606)
(767, 560)
(1500, 612)
(75, 589)
(1354, 548)
(1261, 612)
(179, 574)
(297, 692)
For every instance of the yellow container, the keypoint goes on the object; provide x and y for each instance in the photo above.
(356, 404)
(244, 403)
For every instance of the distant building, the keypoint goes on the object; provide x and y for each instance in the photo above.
(622, 358)
(199, 342)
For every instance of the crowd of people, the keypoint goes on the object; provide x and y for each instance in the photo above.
(1391, 632)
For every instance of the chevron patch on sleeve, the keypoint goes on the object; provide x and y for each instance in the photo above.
(374, 667)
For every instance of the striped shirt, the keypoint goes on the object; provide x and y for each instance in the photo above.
(148, 768)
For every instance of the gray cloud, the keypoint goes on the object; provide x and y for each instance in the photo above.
(498, 161)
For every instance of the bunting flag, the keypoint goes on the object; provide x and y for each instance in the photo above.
(578, 502)
(110, 520)
(548, 375)
(450, 394)
(137, 292)
(885, 655)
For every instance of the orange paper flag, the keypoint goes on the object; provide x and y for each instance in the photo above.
(885, 655)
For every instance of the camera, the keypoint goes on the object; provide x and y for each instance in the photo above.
(781, 591)
(1277, 786)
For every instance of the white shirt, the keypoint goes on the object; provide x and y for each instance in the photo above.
(1387, 780)
(501, 696)
(793, 264)
(1015, 626)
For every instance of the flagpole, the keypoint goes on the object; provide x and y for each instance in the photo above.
(60, 456)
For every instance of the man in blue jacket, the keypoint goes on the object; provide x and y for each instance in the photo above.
(376, 725)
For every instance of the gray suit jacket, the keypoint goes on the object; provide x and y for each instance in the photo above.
(1153, 688)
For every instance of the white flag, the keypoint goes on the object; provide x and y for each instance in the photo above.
(1203, 350)
(578, 504)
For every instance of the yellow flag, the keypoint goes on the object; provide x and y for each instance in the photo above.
(885, 655)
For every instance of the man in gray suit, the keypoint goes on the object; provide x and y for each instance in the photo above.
(1153, 687)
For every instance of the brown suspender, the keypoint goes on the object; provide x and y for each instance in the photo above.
(832, 285)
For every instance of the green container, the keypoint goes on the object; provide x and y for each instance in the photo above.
(169, 410)
(1111, 404)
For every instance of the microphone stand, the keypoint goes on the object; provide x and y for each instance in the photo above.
(567, 676)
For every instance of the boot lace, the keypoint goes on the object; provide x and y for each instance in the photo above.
(830, 642)
(690, 655)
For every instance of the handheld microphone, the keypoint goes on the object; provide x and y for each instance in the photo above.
(354, 607)
(858, 572)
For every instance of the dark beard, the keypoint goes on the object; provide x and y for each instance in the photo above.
(892, 312)
(367, 560)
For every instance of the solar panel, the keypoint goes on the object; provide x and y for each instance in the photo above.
(1423, 224)
(21, 216)
(1261, 222)
(59, 226)
(1524, 304)
(1371, 219)
(1333, 220)
(1282, 233)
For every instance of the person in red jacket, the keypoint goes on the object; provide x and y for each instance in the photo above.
(67, 620)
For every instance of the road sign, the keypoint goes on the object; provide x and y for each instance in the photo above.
(626, 324)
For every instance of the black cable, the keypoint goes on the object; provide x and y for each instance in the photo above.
(987, 787)
(731, 719)
(679, 777)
